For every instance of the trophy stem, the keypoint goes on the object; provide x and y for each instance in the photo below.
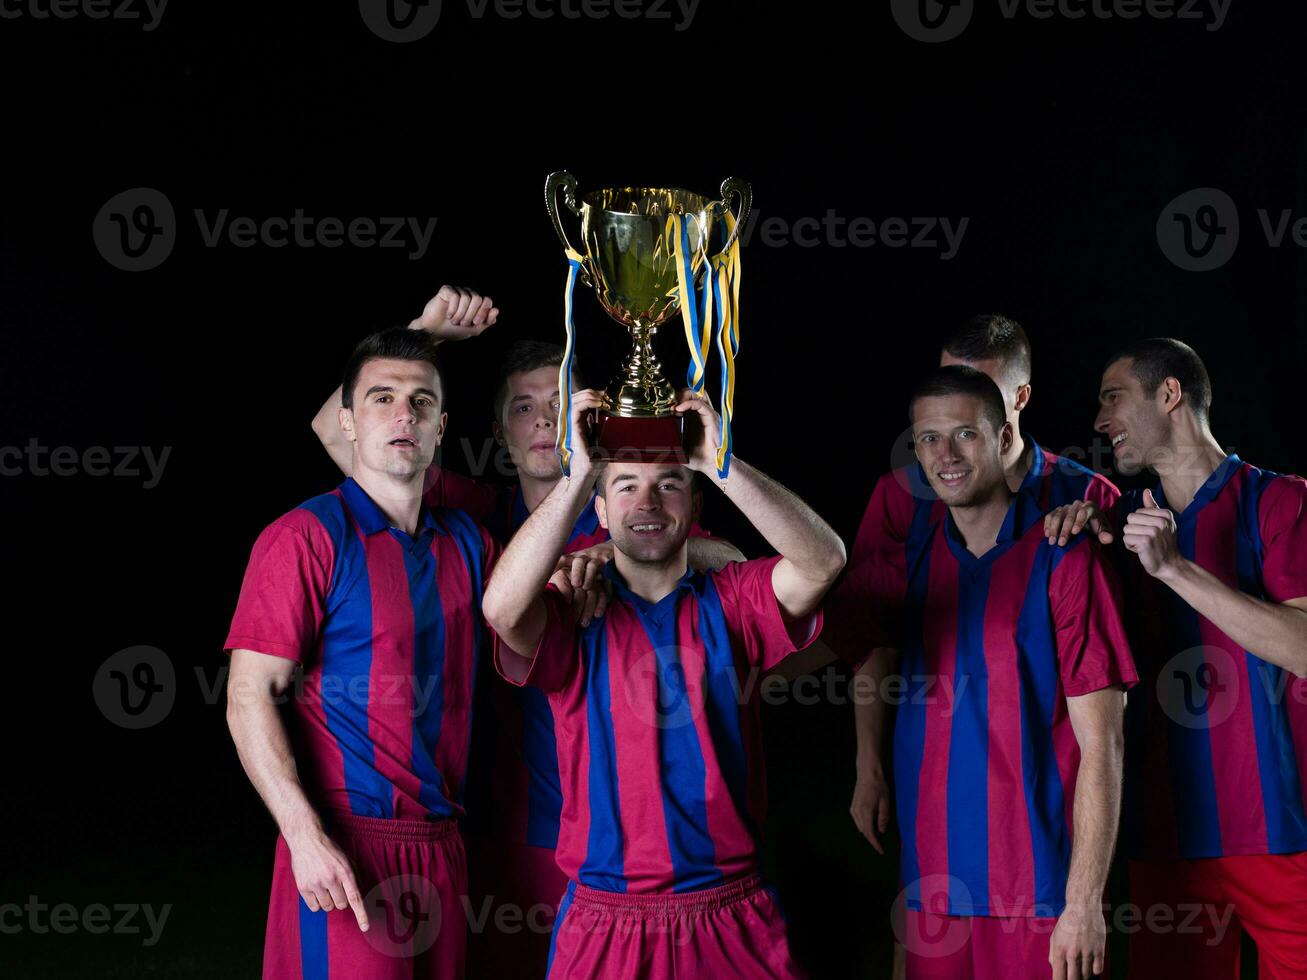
(642, 390)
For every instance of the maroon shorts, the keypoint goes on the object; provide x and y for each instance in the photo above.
(1190, 916)
(413, 877)
(977, 947)
(732, 931)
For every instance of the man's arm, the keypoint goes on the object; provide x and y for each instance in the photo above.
(1274, 631)
(710, 554)
(871, 794)
(322, 871)
(454, 313)
(513, 604)
(812, 554)
(1079, 939)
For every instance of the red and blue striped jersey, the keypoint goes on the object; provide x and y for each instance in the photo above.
(527, 795)
(515, 748)
(388, 629)
(985, 758)
(864, 610)
(1216, 746)
(656, 712)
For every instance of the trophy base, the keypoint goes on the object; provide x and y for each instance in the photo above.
(649, 439)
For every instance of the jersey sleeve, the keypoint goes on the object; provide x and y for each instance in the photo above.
(1085, 595)
(1283, 517)
(283, 597)
(754, 615)
(443, 488)
(556, 659)
(863, 611)
(1103, 493)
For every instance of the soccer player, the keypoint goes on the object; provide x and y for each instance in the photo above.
(1007, 741)
(900, 515)
(1215, 817)
(512, 869)
(658, 750)
(376, 598)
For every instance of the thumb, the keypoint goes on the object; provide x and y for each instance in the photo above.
(1149, 500)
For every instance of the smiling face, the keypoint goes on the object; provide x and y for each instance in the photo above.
(1134, 420)
(959, 448)
(396, 422)
(528, 425)
(647, 508)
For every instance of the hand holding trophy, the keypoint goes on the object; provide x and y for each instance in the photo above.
(646, 254)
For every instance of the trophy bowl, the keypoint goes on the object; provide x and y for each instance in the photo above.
(629, 257)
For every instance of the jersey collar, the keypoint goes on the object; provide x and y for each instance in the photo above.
(369, 517)
(641, 605)
(1021, 514)
(1208, 491)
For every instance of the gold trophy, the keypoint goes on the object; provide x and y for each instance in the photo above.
(645, 252)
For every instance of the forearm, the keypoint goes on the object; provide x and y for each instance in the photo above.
(326, 426)
(1270, 630)
(710, 554)
(1097, 808)
(869, 708)
(789, 525)
(532, 555)
(264, 749)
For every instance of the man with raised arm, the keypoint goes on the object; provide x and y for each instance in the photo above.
(658, 751)
(514, 792)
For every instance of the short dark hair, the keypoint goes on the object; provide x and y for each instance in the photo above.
(394, 343)
(993, 336)
(527, 355)
(1154, 360)
(958, 379)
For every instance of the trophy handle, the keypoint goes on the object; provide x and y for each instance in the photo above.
(561, 179)
(730, 186)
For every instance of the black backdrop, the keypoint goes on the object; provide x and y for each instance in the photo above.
(1061, 141)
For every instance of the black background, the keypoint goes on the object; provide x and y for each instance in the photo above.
(1061, 141)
